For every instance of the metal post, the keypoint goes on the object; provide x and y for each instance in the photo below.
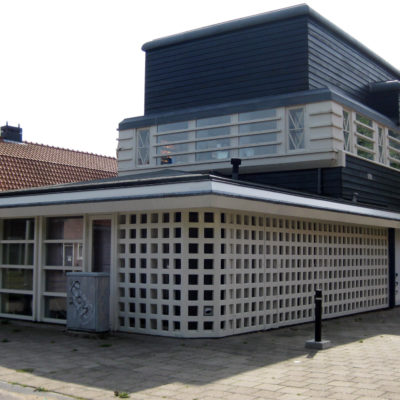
(317, 342)
(318, 315)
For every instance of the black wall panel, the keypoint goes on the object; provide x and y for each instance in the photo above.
(336, 64)
(374, 184)
(254, 62)
(360, 180)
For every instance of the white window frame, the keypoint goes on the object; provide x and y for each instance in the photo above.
(347, 128)
(142, 147)
(288, 130)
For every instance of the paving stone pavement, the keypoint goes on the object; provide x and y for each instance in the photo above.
(363, 363)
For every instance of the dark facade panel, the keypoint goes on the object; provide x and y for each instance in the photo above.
(254, 62)
(301, 180)
(323, 181)
(388, 103)
(332, 182)
(361, 181)
(334, 63)
(374, 184)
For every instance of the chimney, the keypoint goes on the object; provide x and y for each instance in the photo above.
(11, 133)
(235, 167)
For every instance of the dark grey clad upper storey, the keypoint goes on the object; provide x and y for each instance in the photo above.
(284, 51)
(360, 181)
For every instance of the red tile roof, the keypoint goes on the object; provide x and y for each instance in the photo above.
(24, 165)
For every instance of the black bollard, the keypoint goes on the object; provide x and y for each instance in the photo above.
(318, 315)
(317, 342)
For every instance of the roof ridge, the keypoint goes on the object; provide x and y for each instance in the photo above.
(70, 150)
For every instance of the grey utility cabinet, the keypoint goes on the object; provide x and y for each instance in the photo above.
(88, 301)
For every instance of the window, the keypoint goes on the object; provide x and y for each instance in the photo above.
(346, 131)
(259, 114)
(214, 132)
(174, 126)
(213, 155)
(143, 147)
(364, 137)
(257, 127)
(220, 120)
(296, 128)
(258, 151)
(17, 266)
(381, 145)
(213, 144)
(394, 149)
(63, 252)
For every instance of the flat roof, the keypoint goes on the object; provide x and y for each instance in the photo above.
(177, 184)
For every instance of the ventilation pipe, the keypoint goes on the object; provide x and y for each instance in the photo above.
(235, 167)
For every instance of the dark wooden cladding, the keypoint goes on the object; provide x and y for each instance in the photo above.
(254, 62)
(302, 180)
(374, 184)
(361, 181)
(336, 64)
(283, 56)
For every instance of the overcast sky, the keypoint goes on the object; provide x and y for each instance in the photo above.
(71, 70)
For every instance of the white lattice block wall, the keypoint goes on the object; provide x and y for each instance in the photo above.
(207, 273)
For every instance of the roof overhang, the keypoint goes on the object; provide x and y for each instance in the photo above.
(183, 193)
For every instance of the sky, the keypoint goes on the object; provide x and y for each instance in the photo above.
(71, 70)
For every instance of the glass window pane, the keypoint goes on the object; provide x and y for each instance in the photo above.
(365, 154)
(17, 254)
(56, 281)
(364, 120)
(394, 164)
(19, 304)
(365, 131)
(55, 307)
(63, 255)
(13, 278)
(222, 119)
(143, 138)
(173, 137)
(257, 127)
(258, 151)
(296, 129)
(394, 144)
(265, 137)
(174, 126)
(206, 133)
(143, 147)
(213, 144)
(213, 155)
(172, 148)
(394, 154)
(259, 114)
(365, 143)
(64, 228)
(171, 159)
(18, 229)
(394, 134)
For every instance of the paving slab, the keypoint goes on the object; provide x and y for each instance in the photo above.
(362, 363)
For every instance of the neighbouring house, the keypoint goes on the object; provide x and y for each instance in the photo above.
(309, 119)
(24, 165)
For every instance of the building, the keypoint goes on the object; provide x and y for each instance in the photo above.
(24, 165)
(313, 116)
